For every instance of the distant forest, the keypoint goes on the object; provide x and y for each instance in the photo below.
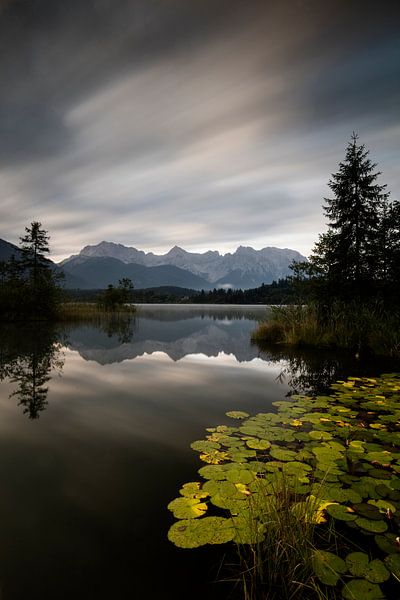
(277, 292)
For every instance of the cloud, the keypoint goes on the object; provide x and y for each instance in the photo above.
(203, 124)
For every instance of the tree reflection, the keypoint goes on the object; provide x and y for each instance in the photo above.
(313, 372)
(120, 327)
(29, 356)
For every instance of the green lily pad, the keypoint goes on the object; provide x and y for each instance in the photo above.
(368, 511)
(372, 526)
(282, 454)
(387, 543)
(217, 472)
(383, 490)
(328, 567)
(241, 455)
(392, 562)
(214, 457)
(320, 435)
(239, 475)
(193, 533)
(377, 572)
(360, 589)
(237, 414)
(341, 512)
(192, 490)
(187, 508)
(357, 563)
(257, 444)
(379, 474)
(204, 446)
(383, 505)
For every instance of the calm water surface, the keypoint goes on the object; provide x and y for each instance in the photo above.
(95, 426)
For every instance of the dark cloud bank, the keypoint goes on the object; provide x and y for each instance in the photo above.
(205, 123)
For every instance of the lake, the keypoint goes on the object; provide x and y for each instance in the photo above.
(95, 429)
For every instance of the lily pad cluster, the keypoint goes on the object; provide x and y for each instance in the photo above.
(338, 459)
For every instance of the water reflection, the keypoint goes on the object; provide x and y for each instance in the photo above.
(29, 356)
(176, 333)
(103, 461)
(309, 371)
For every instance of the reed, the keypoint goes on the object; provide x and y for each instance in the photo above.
(91, 311)
(353, 326)
(281, 565)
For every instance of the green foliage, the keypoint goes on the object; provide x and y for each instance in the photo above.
(114, 298)
(29, 286)
(324, 471)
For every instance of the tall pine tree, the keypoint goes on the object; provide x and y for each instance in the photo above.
(34, 247)
(348, 253)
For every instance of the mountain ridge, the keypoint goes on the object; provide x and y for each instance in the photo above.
(244, 268)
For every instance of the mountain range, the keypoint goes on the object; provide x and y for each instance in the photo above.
(107, 262)
(97, 266)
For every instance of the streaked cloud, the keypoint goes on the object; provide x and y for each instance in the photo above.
(203, 124)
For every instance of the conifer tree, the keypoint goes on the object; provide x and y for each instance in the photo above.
(348, 251)
(34, 246)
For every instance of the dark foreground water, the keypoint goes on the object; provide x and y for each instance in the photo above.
(95, 426)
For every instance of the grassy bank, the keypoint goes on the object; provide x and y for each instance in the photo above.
(83, 311)
(356, 327)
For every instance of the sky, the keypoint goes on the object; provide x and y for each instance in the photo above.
(207, 124)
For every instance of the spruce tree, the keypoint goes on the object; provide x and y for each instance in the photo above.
(347, 253)
(43, 292)
(34, 247)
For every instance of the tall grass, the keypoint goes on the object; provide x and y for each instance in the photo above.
(280, 566)
(91, 311)
(358, 327)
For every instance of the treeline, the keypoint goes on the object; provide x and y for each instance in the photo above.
(277, 292)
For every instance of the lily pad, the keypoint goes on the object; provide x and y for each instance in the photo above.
(387, 543)
(360, 589)
(357, 563)
(341, 512)
(282, 454)
(187, 508)
(193, 533)
(217, 472)
(368, 511)
(205, 446)
(377, 572)
(372, 526)
(192, 490)
(237, 414)
(392, 562)
(320, 435)
(328, 567)
(257, 444)
(383, 505)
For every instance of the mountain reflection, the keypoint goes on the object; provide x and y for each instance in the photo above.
(189, 330)
(192, 332)
(31, 355)
(28, 356)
